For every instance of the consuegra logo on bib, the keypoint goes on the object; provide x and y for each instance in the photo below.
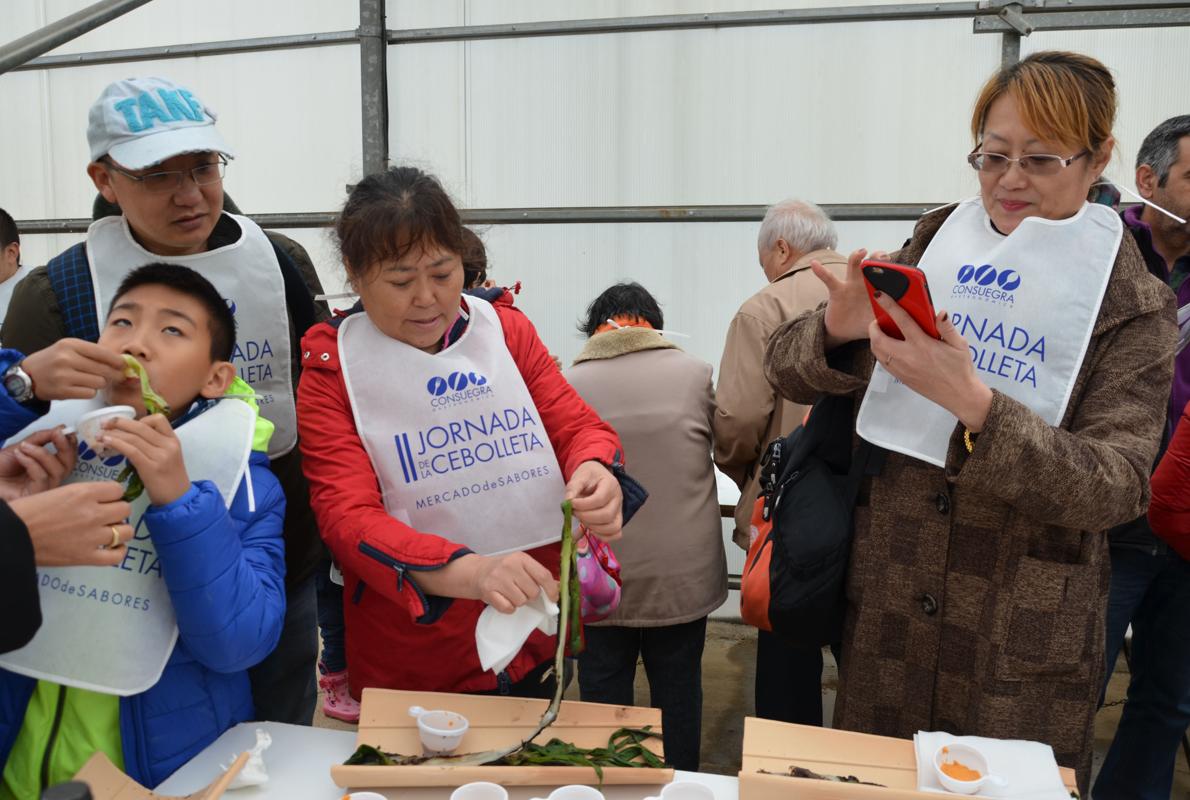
(90, 464)
(456, 389)
(987, 283)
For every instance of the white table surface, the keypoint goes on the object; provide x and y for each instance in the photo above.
(299, 766)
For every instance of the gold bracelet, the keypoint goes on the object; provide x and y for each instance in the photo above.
(969, 439)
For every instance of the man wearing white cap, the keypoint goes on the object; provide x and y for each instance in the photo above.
(155, 154)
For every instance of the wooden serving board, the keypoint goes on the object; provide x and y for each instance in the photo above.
(776, 746)
(494, 722)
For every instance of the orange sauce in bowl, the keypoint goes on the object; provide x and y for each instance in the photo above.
(959, 771)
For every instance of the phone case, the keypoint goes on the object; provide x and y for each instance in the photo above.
(907, 286)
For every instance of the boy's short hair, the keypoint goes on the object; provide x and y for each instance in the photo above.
(220, 320)
(8, 230)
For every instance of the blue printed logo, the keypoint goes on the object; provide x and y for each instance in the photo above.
(231, 305)
(455, 382)
(986, 275)
(87, 454)
(985, 282)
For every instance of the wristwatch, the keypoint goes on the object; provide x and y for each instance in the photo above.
(18, 384)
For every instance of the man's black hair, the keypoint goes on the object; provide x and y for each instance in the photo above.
(8, 230)
(220, 320)
(626, 299)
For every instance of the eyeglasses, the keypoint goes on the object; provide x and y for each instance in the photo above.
(171, 181)
(995, 164)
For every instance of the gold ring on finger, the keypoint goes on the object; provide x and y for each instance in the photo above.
(115, 538)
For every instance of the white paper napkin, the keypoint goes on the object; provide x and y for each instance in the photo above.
(499, 637)
(1028, 767)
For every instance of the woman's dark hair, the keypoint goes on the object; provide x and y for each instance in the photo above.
(220, 319)
(622, 299)
(390, 213)
(475, 260)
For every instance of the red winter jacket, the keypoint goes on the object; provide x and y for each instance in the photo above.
(1169, 510)
(398, 638)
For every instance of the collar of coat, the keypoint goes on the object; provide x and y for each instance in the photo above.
(823, 256)
(610, 344)
(1131, 292)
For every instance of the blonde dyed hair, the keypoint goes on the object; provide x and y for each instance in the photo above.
(1062, 97)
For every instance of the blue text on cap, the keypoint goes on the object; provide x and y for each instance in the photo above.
(178, 105)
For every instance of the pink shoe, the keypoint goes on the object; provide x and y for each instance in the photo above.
(338, 702)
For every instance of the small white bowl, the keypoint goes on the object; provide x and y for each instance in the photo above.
(967, 756)
(441, 731)
(480, 790)
(575, 791)
(684, 790)
(90, 425)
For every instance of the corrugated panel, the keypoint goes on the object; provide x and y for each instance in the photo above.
(701, 117)
(180, 21)
(1152, 70)
(292, 118)
(699, 272)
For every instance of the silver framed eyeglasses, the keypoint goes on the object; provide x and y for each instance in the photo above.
(995, 163)
(171, 180)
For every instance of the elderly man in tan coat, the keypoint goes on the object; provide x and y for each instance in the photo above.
(750, 414)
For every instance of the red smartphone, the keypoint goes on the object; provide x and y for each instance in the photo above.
(908, 287)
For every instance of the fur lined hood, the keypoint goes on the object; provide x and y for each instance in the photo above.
(623, 341)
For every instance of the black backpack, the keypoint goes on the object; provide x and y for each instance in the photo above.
(793, 582)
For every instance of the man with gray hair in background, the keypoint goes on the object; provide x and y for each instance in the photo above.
(1150, 582)
(750, 414)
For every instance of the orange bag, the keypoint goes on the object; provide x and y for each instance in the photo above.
(754, 583)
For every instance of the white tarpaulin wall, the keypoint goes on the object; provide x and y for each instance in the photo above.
(873, 112)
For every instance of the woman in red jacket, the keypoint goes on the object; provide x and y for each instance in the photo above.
(1169, 509)
(439, 440)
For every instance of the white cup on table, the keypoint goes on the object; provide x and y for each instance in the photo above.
(575, 791)
(480, 790)
(684, 790)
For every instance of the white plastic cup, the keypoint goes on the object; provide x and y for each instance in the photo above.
(441, 731)
(90, 425)
(574, 791)
(480, 790)
(684, 790)
(972, 759)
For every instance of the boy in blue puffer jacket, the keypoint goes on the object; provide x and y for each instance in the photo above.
(223, 568)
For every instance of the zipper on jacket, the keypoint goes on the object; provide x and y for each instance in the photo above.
(401, 568)
(49, 745)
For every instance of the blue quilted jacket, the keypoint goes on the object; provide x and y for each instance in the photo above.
(225, 571)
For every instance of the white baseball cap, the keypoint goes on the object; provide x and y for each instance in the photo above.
(143, 121)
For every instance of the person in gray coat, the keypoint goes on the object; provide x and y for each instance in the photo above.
(661, 402)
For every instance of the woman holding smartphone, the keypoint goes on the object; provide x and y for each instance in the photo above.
(978, 579)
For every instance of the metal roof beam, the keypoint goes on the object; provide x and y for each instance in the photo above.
(58, 33)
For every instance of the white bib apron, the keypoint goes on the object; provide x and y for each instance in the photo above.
(246, 273)
(1026, 303)
(455, 439)
(112, 629)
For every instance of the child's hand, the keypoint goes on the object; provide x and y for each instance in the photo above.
(152, 447)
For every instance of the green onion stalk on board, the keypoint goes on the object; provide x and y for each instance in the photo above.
(154, 404)
(625, 746)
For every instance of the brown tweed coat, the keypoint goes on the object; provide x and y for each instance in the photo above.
(976, 593)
